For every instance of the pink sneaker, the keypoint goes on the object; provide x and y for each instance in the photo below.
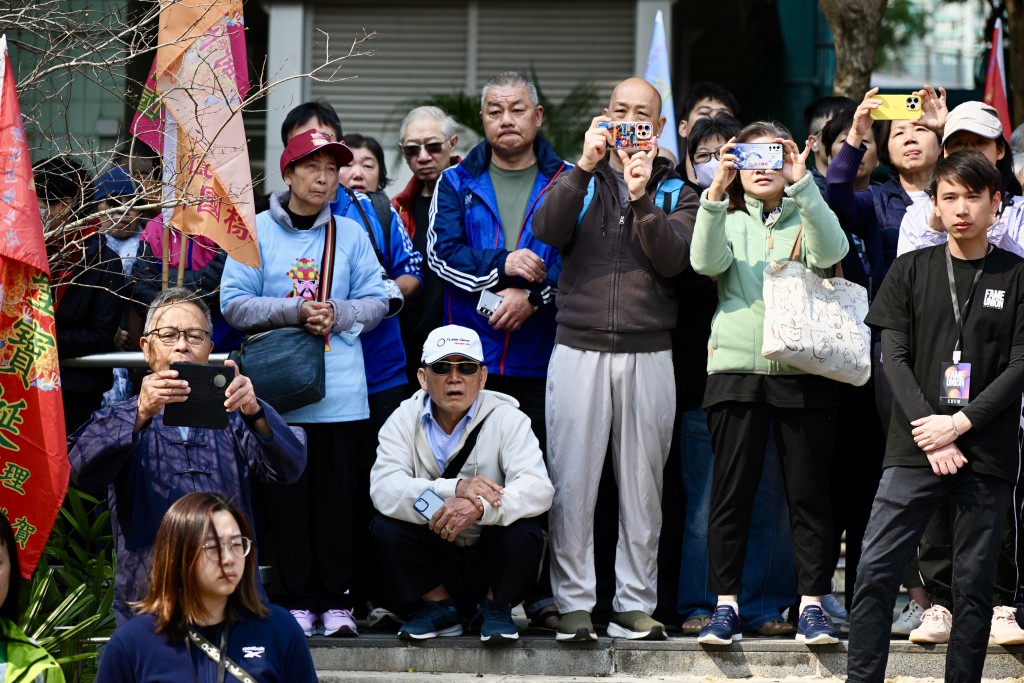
(306, 619)
(338, 623)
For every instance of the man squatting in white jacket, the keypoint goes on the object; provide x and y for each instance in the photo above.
(478, 555)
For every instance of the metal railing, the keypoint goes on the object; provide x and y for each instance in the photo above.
(122, 359)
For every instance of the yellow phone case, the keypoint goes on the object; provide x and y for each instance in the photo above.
(897, 108)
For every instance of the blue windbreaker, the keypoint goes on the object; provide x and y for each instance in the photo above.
(383, 351)
(466, 248)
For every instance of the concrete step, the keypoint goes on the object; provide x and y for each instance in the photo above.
(406, 677)
(373, 655)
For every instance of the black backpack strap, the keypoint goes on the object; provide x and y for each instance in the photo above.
(382, 205)
(455, 465)
(369, 230)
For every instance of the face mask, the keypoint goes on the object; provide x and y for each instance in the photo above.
(705, 172)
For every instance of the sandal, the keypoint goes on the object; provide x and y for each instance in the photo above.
(547, 619)
(693, 625)
(776, 628)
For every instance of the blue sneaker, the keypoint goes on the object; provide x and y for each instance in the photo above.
(723, 629)
(495, 623)
(433, 620)
(813, 628)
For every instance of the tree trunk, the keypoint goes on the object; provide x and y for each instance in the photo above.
(1015, 67)
(855, 25)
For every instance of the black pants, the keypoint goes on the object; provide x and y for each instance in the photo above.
(906, 499)
(936, 558)
(883, 404)
(367, 585)
(531, 393)
(856, 469)
(504, 560)
(312, 524)
(739, 437)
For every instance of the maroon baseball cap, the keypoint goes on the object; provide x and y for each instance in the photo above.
(312, 141)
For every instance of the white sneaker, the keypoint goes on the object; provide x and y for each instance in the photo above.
(833, 606)
(908, 620)
(936, 623)
(1005, 630)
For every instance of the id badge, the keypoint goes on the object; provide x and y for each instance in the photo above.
(955, 384)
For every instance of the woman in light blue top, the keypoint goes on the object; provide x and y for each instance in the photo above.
(311, 521)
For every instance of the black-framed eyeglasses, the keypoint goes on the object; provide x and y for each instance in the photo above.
(465, 367)
(170, 335)
(705, 157)
(239, 547)
(413, 150)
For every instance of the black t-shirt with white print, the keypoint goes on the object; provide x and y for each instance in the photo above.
(914, 299)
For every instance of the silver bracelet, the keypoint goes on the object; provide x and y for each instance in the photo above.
(955, 430)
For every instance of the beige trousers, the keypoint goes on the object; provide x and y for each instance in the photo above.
(629, 400)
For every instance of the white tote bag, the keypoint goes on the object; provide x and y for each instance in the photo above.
(816, 324)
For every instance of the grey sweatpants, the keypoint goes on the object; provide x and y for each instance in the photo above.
(593, 396)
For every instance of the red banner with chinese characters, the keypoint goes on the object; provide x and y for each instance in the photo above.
(34, 465)
(995, 80)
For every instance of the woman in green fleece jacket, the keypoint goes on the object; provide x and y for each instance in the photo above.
(21, 660)
(746, 220)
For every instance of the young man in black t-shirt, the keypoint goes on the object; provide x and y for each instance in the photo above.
(952, 322)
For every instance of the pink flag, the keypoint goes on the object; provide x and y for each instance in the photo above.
(200, 78)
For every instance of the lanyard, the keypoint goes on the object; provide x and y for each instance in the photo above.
(205, 646)
(960, 313)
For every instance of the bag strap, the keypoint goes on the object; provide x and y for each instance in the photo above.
(794, 254)
(456, 464)
(222, 660)
(369, 229)
(382, 205)
(327, 262)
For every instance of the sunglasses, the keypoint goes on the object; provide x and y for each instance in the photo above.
(433, 149)
(443, 367)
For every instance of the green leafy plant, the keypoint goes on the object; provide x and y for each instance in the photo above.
(902, 24)
(564, 123)
(71, 597)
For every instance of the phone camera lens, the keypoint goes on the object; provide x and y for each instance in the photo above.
(220, 381)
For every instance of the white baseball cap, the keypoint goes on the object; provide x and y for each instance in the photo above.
(974, 117)
(452, 340)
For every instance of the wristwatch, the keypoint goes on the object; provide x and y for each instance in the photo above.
(534, 299)
(255, 417)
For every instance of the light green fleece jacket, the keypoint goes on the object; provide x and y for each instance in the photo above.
(737, 246)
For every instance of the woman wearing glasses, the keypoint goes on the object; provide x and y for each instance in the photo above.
(202, 619)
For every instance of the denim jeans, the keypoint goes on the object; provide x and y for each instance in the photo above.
(769, 575)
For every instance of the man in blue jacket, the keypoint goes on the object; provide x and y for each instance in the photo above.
(145, 465)
(481, 241)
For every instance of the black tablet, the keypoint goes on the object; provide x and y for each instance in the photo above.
(205, 405)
